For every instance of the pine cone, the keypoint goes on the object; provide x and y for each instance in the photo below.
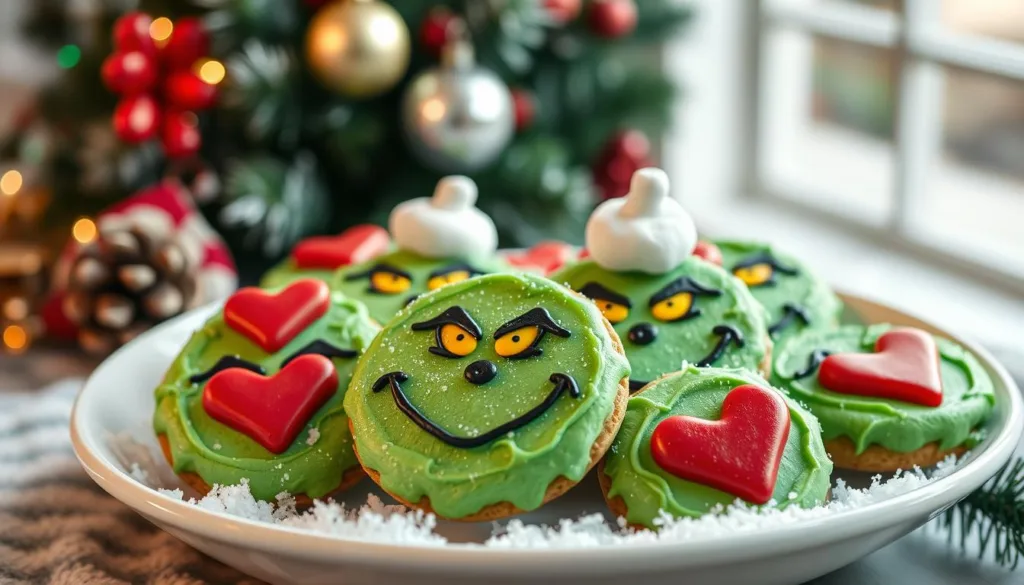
(124, 283)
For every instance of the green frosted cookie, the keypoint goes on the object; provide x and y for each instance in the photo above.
(487, 397)
(795, 298)
(230, 409)
(705, 437)
(898, 393)
(694, 314)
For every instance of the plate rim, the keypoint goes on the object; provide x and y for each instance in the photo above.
(305, 544)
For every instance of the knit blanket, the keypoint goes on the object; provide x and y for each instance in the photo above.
(58, 527)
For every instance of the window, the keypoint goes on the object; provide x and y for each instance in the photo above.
(904, 119)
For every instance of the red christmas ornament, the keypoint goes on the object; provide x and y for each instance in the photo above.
(525, 106)
(185, 90)
(612, 19)
(739, 454)
(180, 137)
(625, 153)
(905, 367)
(188, 43)
(562, 11)
(137, 118)
(272, 320)
(434, 30)
(271, 410)
(131, 33)
(129, 73)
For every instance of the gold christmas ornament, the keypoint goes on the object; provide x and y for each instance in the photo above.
(358, 48)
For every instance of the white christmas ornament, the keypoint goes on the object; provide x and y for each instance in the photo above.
(646, 231)
(447, 225)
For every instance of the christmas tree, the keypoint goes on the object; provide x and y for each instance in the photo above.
(288, 118)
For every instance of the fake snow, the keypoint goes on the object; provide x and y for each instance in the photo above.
(396, 524)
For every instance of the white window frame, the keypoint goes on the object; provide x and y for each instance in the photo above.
(914, 32)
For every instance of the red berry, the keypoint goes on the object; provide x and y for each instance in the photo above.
(131, 33)
(181, 138)
(631, 144)
(612, 18)
(129, 73)
(136, 118)
(562, 11)
(624, 154)
(187, 44)
(435, 29)
(525, 106)
(185, 90)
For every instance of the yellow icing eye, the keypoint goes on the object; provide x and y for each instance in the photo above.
(389, 283)
(673, 308)
(456, 340)
(614, 312)
(515, 343)
(449, 278)
(755, 274)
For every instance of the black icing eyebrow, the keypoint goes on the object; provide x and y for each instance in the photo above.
(379, 268)
(321, 347)
(764, 258)
(538, 317)
(455, 268)
(454, 315)
(681, 285)
(593, 290)
(226, 363)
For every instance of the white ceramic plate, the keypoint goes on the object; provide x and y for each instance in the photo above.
(118, 397)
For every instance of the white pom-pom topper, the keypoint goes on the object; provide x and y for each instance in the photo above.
(645, 231)
(447, 225)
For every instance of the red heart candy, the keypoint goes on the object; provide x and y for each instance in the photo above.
(271, 410)
(739, 453)
(905, 366)
(354, 245)
(543, 258)
(272, 320)
(708, 251)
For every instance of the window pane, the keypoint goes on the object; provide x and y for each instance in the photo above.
(828, 124)
(975, 195)
(1001, 19)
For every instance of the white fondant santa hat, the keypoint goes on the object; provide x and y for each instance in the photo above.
(447, 225)
(646, 231)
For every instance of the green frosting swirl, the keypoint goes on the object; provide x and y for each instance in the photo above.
(518, 467)
(967, 395)
(689, 340)
(803, 289)
(314, 463)
(351, 281)
(647, 489)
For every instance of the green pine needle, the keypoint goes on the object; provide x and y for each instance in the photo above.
(263, 83)
(995, 513)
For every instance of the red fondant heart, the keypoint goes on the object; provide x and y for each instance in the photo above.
(905, 366)
(543, 258)
(354, 245)
(739, 453)
(271, 410)
(709, 252)
(272, 320)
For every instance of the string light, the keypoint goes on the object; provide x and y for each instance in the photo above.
(84, 230)
(10, 182)
(15, 309)
(212, 71)
(15, 338)
(160, 29)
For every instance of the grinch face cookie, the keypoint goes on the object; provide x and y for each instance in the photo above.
(488, 397)
(319, 256)
(705, 437)
(441, 240)
(669, 307)
(257, 393)
(795, 298)
(887, 397)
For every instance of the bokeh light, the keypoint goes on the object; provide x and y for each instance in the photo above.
(15, 338)
(84, 230)
(212, 71)
(160, 29)
(10, 182)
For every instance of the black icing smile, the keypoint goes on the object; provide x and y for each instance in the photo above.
(791, 314)
(727, 335)
(318, 347)
(393, 380)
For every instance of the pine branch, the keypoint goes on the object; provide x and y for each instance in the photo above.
(264, 84)
(995, 514)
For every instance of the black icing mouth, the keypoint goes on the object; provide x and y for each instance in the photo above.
(393, 380)
(727, 335)
(813, 362)
(791, 314)
(318, 347)
(636, 385)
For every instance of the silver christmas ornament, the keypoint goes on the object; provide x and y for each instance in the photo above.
(458, 117)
